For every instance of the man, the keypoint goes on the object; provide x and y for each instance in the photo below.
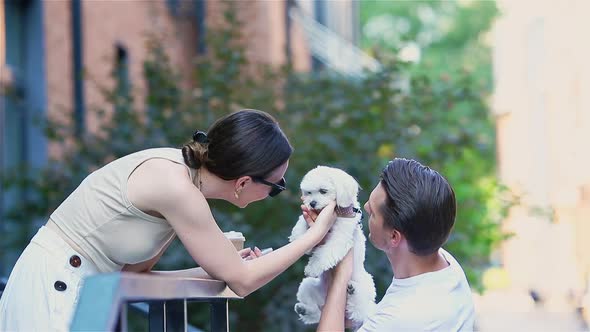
(411, 213)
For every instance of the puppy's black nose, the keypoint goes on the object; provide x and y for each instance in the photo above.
(313, 204)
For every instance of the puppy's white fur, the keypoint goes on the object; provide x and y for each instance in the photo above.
(319, 187)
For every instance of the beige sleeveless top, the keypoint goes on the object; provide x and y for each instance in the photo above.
(101, 220)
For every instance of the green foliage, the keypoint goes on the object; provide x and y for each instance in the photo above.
(450, 34)
(450, 85)
(356, 125)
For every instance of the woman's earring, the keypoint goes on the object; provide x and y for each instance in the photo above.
(236, 194)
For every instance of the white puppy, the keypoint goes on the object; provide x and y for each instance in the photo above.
(320, 186)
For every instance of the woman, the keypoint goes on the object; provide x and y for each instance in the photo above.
(123, 216)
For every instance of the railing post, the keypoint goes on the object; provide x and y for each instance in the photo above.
(168, 316)
(122, 320)
(219, 316)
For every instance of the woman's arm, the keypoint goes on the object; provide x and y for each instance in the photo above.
(176, 198)
(333, 313)
(195, 272)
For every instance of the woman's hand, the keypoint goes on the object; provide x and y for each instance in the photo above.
(249, 253)
(322, 221)
(309, 215)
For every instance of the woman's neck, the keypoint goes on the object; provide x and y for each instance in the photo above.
(212, 186)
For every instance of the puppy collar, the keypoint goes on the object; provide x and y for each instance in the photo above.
(346, 212)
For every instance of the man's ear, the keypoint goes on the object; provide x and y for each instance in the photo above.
(395, 238)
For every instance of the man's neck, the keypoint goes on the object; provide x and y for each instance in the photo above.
(405, 264)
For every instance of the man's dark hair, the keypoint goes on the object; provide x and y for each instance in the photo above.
(420, 204)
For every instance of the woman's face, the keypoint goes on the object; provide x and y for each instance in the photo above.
(255, 191)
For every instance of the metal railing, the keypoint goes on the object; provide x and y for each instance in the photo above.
(143, 309)
(103, 299)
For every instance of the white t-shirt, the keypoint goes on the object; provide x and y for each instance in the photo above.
(434, 301)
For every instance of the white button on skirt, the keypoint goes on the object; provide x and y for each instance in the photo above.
(43, 287)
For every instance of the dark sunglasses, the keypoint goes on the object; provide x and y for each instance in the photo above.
(276, 188)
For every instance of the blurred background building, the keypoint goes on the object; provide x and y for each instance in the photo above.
(54, 56)
(541, 105)
(542, 111)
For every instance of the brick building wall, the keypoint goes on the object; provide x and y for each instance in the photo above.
(108, 24)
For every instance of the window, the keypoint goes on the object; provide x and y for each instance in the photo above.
(122, 71)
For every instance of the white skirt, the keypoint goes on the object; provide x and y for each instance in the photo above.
(44, 285)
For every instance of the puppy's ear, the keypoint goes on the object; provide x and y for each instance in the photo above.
(346, 188)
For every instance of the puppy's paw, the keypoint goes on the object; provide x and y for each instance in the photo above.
(350, 289)
(300, 309)
(359, 303)
(308, 314)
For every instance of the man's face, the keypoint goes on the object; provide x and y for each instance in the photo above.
(378, 233)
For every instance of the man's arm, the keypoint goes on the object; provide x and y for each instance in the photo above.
(333, 313)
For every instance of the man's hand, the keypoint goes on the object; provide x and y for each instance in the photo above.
(333, 314)
(340, 276)
(342, 272)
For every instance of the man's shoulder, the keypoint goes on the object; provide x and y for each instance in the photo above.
(434, 300)
(419, 309)
(455, 270)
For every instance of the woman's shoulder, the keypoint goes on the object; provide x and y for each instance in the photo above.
(159, 184)
(134, 159)
(163, 172)
(156, 152)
